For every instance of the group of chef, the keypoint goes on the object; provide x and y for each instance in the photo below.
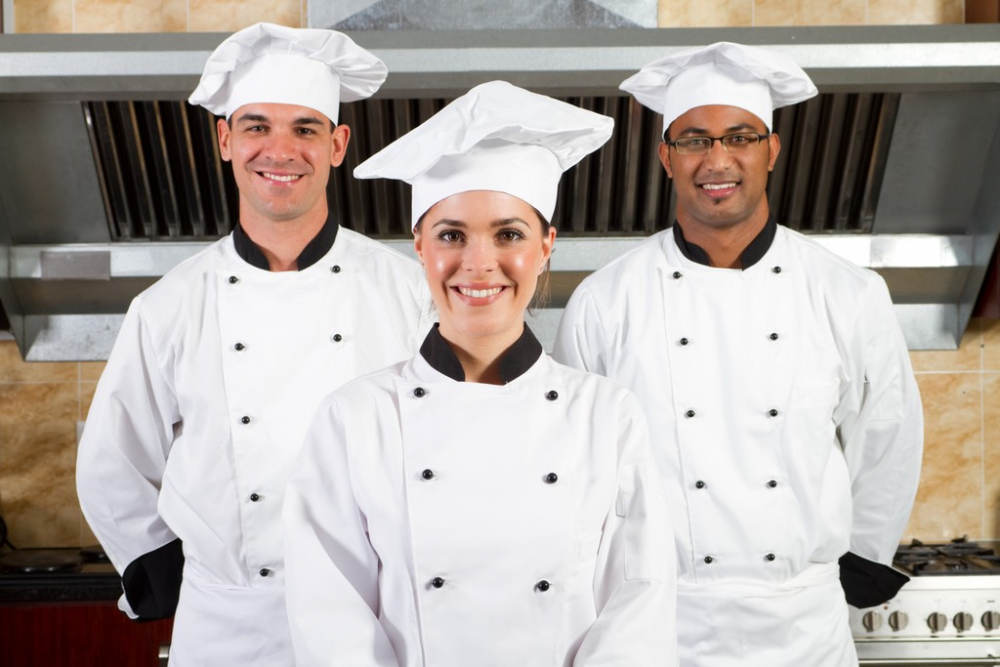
(312, 450)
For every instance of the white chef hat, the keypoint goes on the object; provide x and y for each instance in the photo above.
(747, 77)
(495, 137)
(268, 63)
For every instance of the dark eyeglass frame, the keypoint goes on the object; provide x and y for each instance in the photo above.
(680, 145)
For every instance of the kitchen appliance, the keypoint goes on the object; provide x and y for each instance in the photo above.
(109, 179)
(58, 575)
(947, 614)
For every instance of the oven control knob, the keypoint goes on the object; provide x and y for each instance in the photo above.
(898, 620)
(962, 621)
(991, 620)
(872, 621)
(937, 622)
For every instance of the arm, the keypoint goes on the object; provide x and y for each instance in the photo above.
(580, 340)
(635, 590)
(881, 431)
(332, 570)
(120, 465)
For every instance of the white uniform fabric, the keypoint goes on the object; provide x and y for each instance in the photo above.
(367, 533)
(787, 425)
(166, 452)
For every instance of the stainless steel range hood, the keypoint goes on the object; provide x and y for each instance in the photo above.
(108, 180)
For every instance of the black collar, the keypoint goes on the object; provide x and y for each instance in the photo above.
(752, 254)
(312, 253)
(514, 362)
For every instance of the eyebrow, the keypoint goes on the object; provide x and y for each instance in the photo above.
(503, 222)
(260, 118)
(742, 127)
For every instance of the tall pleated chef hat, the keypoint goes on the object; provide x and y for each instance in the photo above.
(495, 137)
(268, 63)
(747, 77)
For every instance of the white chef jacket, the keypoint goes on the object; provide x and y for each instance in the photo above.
(213, 380)
(441, 523)
(786, 423)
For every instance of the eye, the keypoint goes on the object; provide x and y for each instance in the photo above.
(509, 235)
(740, 139)
(306, 130)
(695, 143)
(256, 128)
(450, 236)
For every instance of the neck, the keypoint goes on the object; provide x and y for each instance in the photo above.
(480, 355)
(723, 245)
(283, 241)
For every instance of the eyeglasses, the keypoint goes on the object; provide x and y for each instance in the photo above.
(733, 143)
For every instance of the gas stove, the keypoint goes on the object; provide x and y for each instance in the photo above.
(57, 575)
(947, 614)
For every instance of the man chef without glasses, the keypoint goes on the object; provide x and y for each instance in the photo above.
(782, 405)
(219, 366)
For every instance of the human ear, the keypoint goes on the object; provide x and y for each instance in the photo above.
(774, 146)
(225, 133)
(341, 136)
(665, 158)
(548, 241)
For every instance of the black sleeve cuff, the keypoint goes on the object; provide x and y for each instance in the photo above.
(152, 582)
(867, 583)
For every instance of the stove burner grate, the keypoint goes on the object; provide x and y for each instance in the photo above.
(958, 557)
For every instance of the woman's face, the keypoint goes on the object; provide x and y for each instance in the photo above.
(482, 252)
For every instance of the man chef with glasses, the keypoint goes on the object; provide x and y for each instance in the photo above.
(784, 413)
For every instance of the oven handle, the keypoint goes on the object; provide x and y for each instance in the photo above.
(925, 662)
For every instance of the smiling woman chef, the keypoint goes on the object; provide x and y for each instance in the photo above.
(481, 504)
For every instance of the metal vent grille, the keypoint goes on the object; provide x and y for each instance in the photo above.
(163, 179)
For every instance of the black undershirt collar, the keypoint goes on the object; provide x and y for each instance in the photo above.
(514, 362)
(314, 251)
(752, 254)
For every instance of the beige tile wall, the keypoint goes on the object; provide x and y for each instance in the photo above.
(40, 405)
(39, 16)
(959, 490)
(746, 13)
(230, 15)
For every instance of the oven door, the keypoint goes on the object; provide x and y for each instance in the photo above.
(931, 652)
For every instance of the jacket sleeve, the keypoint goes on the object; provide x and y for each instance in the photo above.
(635, 590)
(881, 428)
(120, 464)
(580, 340)
(332, 569)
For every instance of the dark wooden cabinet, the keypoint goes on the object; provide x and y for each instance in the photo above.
(70, 634)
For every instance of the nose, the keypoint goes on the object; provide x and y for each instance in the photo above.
(480, 256)
(718, 158)
(279, 147)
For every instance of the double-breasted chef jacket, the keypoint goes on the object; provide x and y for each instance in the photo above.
(203, 406)
(785, 421)
(435, 522)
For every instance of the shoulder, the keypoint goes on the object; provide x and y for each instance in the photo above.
(605, 391)
(360, 245)
(187, 279)
(636, 263)
(625, 277)
(832, 269)
(365, 393)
